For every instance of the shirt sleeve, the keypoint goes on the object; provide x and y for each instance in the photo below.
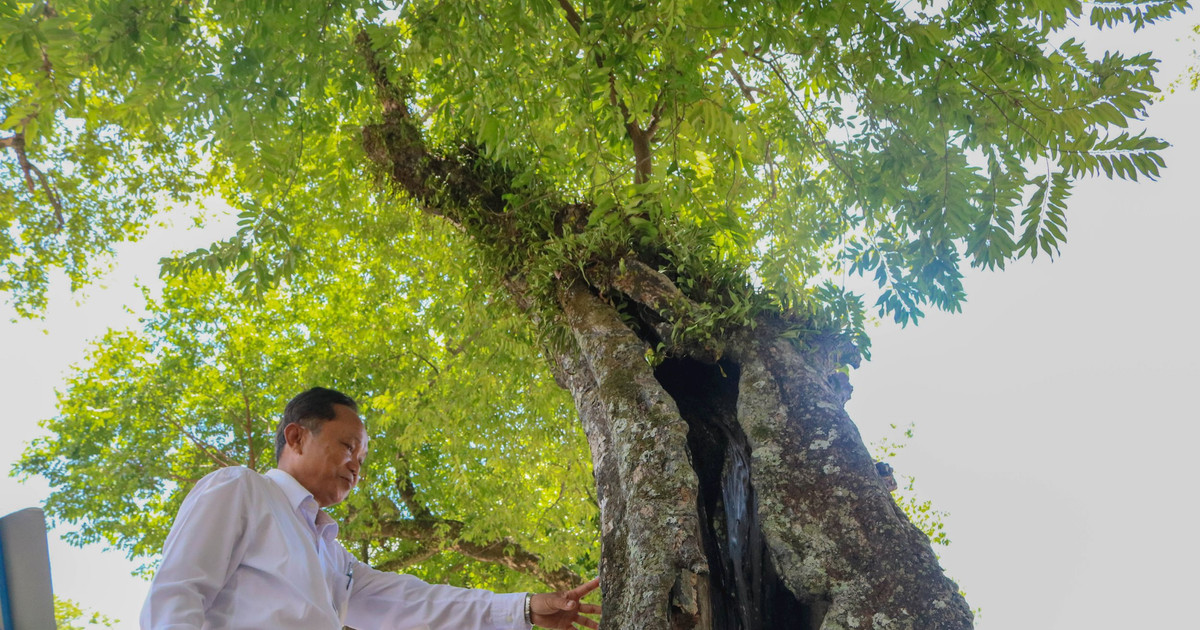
(391, 600)
(202, 551)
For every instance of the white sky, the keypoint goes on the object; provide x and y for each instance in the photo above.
(1053, 415)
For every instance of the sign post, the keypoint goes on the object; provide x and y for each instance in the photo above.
(26, 602)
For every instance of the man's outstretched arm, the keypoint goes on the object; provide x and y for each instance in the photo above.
(390, 600)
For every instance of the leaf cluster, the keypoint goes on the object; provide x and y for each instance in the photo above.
(920, 512)
(69, 615)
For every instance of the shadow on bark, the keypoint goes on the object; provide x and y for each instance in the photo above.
(745, 590)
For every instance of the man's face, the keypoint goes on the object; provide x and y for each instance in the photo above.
(327, 462)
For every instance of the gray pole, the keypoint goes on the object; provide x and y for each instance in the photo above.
(26, 602)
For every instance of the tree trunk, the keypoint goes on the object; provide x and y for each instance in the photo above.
(736, 494)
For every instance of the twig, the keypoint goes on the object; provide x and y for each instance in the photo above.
(746, 90)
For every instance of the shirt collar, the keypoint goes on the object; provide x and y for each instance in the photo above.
(303, 503)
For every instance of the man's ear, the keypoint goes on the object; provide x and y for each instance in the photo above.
(293, 435)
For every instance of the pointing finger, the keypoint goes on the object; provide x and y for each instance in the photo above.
(583, 589)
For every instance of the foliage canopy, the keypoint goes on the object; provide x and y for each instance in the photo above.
(797, 140)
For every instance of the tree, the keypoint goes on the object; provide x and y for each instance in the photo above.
(68, 614)
(669, 194)
(450, 491)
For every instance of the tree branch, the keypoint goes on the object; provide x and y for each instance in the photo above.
(462, 188)
(16, 142)
(671, 312)
(217, 456)
(403, 561)
(251, 456)
(509, 554)
(643, 161)
(435, 535)
(641, 138)
(647, 286)
(573, 18)
(390, 96)
(746, 90)
(408, 493)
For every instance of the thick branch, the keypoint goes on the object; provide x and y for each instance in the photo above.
(643, 162)
(649, 287)
(670, 312)
(428, 529)
(408, 493)
(509, 554)
(390, 96)
(462, 188)
(401, 562)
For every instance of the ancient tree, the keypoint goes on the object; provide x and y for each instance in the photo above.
(667, 194)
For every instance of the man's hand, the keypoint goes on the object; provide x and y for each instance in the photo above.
(564, 611)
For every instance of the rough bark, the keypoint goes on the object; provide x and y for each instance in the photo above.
(832, 529)
(737, 494)
(651, 537)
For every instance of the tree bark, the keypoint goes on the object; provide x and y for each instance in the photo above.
(737, 494)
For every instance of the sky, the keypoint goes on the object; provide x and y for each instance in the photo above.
(1053, 416)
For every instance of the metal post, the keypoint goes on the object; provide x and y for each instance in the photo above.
(26, 598)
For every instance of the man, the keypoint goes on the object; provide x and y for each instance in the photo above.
(256, 551)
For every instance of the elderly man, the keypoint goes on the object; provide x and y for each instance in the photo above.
(256, 551)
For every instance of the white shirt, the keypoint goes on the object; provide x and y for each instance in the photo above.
(255, 551)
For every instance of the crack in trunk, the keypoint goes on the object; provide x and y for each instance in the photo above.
(745, 591)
